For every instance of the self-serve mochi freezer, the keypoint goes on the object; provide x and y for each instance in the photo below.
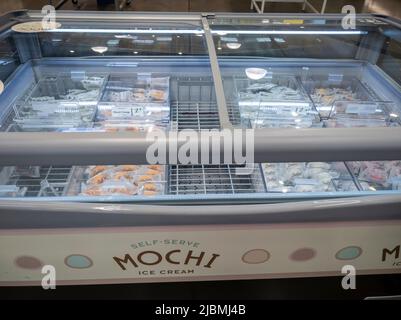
(77, 193)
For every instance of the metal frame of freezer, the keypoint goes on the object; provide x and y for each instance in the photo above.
(202, 237)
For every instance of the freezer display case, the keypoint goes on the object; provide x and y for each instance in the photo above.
(84, 102)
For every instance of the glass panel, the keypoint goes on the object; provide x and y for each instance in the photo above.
(112, 77)
(8, 57)
(285, 38)
(266, 182)
(377, 175)
(308, 177)
(305, 73)
(121, 39)
(160, 79)
(390, 56)
(127, 182)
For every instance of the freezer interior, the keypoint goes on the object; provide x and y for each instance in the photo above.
(185, 101)
(131, 81)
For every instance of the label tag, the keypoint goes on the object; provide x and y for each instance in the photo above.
(143, 41)
(164, 38)
(144, 76)
(279, 40)
(312, 182)
(78, 75)
(82, 130)
(127, 111)
(361, 108)
(229, 39)
(263, 40)
(333, 77)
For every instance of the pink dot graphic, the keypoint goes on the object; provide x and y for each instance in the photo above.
(303, 254)
(28, 262)
(256, 256)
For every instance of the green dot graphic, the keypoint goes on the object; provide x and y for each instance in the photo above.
(349, 253)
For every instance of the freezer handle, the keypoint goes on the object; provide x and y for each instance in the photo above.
(269, 145)
(37, 214)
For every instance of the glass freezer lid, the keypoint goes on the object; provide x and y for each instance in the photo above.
(266, 182)
(296, 95)
(134, 96)
(128, 94)
(288, 37)
(309, 79)
(111, 38)
(288, 90)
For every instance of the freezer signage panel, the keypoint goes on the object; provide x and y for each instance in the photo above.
(193, 253)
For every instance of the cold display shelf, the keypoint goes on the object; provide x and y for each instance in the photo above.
(108, 102)
(145, 75)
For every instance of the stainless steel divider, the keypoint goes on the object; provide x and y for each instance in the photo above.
(218, 82)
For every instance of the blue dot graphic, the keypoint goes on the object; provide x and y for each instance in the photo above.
(349, 253)
(78, 261)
